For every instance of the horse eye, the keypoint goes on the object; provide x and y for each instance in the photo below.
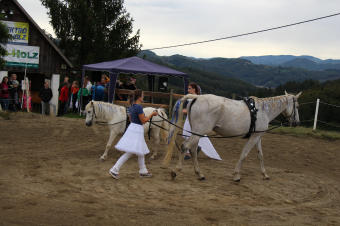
(89, 112)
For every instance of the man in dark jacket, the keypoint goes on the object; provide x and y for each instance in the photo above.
(45, 95)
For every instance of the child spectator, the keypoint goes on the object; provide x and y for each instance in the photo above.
(74, 95)
(63, 98)
(84, 94)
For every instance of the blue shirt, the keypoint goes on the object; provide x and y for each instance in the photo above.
(134, 111)
(97, 92)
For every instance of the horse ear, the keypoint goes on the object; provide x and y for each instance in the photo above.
(298, 95)
(286, 92)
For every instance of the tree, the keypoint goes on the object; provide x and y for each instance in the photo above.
(4, 36)
(93, 30)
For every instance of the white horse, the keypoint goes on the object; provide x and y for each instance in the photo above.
(230, 118)
(115, 116)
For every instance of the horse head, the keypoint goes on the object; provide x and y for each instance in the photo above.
(291, 112)
(90, 113)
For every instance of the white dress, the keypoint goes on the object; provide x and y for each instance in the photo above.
(133, 141)
(204, 142)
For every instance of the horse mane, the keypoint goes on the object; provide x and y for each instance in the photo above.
(272, 102)
(104, 109)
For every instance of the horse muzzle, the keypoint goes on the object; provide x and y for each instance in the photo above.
(89, 123)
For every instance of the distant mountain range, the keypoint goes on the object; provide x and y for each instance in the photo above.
(305, 62)
(231, 70)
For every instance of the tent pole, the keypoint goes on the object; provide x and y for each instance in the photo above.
(186, 84)
(80, 101)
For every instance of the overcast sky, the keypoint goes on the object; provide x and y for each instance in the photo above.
(170, 22)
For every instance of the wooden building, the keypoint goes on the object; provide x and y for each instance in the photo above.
(28, 41)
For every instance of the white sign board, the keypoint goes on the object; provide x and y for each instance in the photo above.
(20, 56)
(19, 31)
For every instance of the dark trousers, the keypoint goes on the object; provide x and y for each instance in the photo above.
(74, 101)
(61, 109)
(4, 104)
(85, 101)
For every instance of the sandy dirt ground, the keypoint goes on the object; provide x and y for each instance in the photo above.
(50, 175)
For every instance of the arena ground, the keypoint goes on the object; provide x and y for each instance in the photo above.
(50, 175)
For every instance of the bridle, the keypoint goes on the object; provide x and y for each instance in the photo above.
(93, 111)
(293, 114)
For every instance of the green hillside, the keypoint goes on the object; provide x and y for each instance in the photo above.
(258, 75)
(210, 82)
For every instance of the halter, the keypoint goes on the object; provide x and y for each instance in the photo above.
(293, 111)
(93, 111)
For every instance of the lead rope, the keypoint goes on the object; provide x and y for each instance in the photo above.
(149, 132)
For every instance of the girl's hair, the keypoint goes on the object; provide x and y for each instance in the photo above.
(3, 79)
(137, 94)
(196, 87)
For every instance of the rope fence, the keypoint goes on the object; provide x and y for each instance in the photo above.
(316, 120)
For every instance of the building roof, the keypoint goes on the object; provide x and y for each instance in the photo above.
(43, 34)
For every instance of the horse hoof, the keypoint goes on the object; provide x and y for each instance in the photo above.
(102, 159)
(237, 180)
(201, 178)
(173, 175)
(266, 178)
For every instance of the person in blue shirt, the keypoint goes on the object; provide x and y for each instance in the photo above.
(133, 141)
(98, 91)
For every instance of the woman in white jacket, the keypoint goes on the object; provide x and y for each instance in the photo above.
(204, 143)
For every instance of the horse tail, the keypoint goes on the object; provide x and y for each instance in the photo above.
(164, 133)
(179, 123)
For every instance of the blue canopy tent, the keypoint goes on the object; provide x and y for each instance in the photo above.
(134, 65)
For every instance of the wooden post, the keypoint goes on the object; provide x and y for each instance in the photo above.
(316, 113)
(170, 102)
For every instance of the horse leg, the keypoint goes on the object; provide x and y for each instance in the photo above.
(155, 136)
(109, 144)
(193, 152)
(246, 149)
(183, 149)
(260, 156)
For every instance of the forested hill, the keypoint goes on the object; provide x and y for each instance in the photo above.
(210, 82)
(305, 62)
(245, 70)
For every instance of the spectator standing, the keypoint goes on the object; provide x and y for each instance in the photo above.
(131, 85)
(4, 94)
(13, 86)
(45, 96)
(88, 84)
(84, 94)
(63, 98)
(74, 95)
(65, 82)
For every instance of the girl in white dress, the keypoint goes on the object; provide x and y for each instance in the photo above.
(133, 141)
(204, 143)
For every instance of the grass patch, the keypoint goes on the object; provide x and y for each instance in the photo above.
(304, 132)
(73, 115)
